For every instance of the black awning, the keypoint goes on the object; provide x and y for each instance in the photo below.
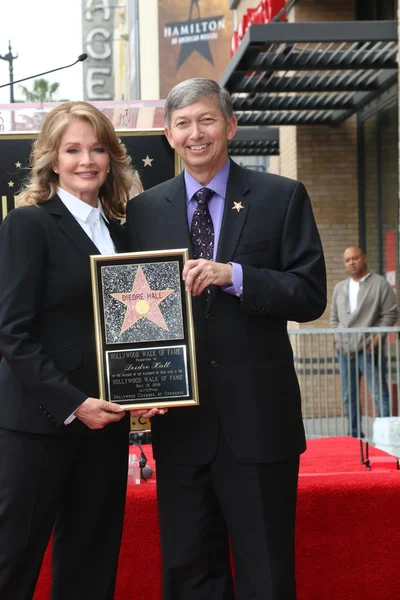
(310, 73)
(255, 141)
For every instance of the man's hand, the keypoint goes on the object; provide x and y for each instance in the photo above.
(199, 274)
(148, 412)
(375, 344)
(96, 413)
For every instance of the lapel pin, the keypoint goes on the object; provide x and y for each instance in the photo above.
(237, 206)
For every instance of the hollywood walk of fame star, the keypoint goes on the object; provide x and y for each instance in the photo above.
(237, 206)
(147, 161)
(10, 184)
(142, 302)
(18, 165)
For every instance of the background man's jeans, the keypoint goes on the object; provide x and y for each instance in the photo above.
(351, 369)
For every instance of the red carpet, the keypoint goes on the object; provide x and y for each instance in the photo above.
(348, 534)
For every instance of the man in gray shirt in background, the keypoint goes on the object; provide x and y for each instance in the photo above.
(363, 300)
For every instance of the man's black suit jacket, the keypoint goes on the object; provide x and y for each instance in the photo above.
(247, 381)
(46, 319)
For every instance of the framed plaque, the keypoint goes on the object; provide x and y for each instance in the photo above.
(144, 329)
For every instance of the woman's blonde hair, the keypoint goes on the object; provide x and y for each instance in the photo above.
(122, 182)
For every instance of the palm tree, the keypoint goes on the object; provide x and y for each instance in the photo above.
(42, 91)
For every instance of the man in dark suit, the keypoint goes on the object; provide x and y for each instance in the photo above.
(227, 470)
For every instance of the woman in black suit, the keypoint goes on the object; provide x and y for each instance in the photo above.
(63, 451)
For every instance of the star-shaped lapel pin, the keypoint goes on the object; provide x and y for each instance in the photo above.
(10, 184)
(142, 303)
(237, 206)
(18, 165)
(147, 161)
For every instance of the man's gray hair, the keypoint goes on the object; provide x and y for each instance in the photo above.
(192, 90)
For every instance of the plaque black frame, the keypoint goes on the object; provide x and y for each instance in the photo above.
(148, 388)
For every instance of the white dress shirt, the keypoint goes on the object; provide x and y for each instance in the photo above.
(93, 222)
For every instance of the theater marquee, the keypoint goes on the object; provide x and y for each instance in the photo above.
(194, 40)
(98, 33)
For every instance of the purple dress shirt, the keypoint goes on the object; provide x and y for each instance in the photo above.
(216, 207)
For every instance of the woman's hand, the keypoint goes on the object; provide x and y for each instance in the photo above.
(96, 413)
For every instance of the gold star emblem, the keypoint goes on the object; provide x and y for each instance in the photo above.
(142, 302)
(18, 165)
(147, 161)
(237, 206)
(10, 184)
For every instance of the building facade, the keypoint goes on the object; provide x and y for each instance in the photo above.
(351, 170)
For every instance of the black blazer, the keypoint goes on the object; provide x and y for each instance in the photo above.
(245, 363)
(46, 319)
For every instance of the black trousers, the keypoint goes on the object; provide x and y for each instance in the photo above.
(204, 507)
(76, 485)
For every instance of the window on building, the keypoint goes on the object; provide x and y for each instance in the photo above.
(376, 10)
(369, 205)
(379, 218)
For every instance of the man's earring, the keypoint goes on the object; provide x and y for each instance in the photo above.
(55, 171)
(108, 170)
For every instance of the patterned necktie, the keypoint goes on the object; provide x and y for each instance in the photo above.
(202, 232)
